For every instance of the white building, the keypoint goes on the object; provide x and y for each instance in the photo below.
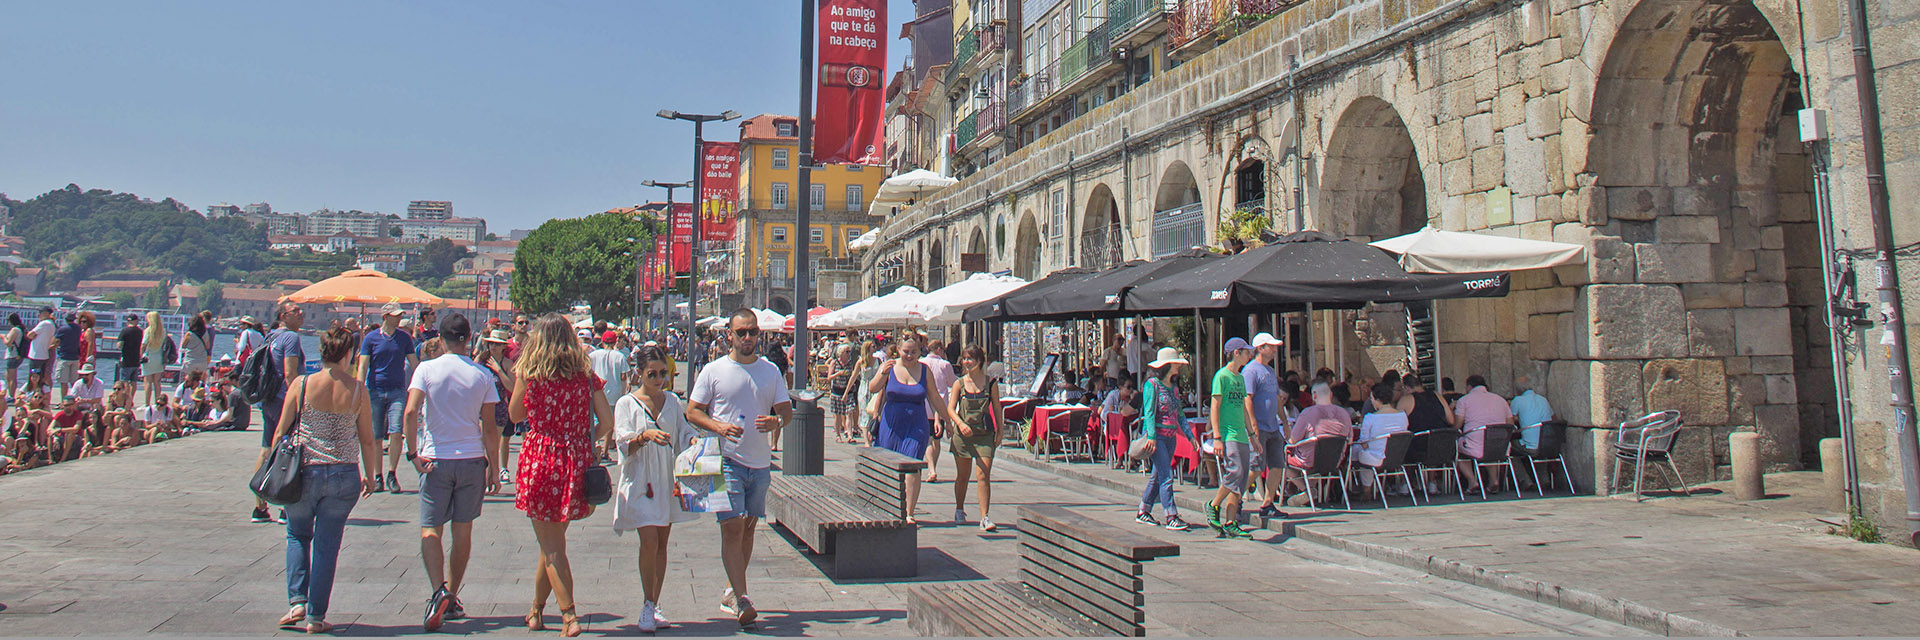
(429, 210)
(327, 222)
(459, 229)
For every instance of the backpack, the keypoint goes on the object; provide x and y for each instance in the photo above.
(258, 379)
(170, 351)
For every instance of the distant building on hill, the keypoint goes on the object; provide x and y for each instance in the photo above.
(257, 209)
(222, 210)
(327, 222)
(429, 210)
(519, 234)
(456, 229)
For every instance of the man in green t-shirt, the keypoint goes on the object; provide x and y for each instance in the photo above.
(1231, 414)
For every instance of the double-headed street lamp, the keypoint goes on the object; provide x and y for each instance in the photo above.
(670, 186)
(693, 266)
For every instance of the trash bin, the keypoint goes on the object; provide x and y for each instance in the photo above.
(803, 443)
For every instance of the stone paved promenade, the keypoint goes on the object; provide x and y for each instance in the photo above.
(1698, 565)
(155, 540)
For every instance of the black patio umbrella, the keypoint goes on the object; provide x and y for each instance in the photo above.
(1306, 267)
(1101, 295)
(1019, 302)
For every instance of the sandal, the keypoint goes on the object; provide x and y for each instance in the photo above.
(294, 615)
(534, 623)
(319, 626)
(571, 626)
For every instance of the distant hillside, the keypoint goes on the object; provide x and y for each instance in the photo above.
(83, 233)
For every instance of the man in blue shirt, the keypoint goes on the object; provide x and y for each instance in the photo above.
(66, 347)
(1270, 444)
(386, 354)
(1530, 409)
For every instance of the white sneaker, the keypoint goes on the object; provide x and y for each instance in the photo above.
(986, 523)
(959, 516)
(648, 619)
(660, 617)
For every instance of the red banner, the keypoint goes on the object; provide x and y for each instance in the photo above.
(682, 236)
(853, 59)
(719, 188)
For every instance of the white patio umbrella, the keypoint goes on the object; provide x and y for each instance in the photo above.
(866, 240)
(771, 321)
(903, 189)
(1431, 250)
(890, 311)
(944, 305)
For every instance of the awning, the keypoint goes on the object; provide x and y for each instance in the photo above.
(1019, 303)
(1306, 267)
(813, 315)
(1431, 250)
(866, 240)
(948, 304)
(1104, 294)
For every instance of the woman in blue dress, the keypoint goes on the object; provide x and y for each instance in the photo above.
(906, 412)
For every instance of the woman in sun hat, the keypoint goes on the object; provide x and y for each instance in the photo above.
(1160, 417)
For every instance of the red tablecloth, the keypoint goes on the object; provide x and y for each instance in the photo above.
(1044, 418)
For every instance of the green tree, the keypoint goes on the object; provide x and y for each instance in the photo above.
(580, 259)
(83, 233)
(439, 256)
(155, 298)
(212, 296)
(121, 299)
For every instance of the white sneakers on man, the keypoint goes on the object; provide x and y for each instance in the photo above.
(649, 618)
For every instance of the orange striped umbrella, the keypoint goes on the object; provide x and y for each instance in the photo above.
(365, 286)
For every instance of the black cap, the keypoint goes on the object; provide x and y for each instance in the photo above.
(454, 328)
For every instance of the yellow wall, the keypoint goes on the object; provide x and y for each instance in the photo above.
(758, 176)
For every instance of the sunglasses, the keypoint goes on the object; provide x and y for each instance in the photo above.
(746, 333)
(654, 374)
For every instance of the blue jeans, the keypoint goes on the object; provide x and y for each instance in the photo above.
(314, 527)
(389, 406)
(1160, 483)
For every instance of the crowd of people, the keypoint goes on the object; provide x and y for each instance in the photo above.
(451, 407)
(62, 407)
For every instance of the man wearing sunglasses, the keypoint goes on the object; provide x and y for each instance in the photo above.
(743, 398)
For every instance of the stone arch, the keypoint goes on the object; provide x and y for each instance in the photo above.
(1026, 248)
(780, 304)
(1249, 178)
(1179, 218)
(1101, 244)
(936, 266)
(1371, 185)
(1704, 182)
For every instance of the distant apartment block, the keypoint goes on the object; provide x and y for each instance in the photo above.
(281, 224)
(519, 234)
(457, 229)
(429, 210)
(222, 210)
(257, 209)
(326, 222)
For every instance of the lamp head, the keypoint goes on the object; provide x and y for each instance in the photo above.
(729, 115)
(669, 114)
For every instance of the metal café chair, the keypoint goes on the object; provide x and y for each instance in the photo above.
(1649, 439)
(1329, 456)
(1550, 450)
(1496, 441)
(1074, 441)
(1393, 462)
(1441, 452)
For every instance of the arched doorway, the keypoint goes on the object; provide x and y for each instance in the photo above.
(780, 305)
(1102, 244)
(936, 267)
(1026, 248)
(1179, 220)
(1707, 196)
(1372, 186)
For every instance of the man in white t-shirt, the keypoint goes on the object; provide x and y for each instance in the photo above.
(942, 381)
(743, 398)
(611, 365)
(457, 458)
(40, 348)
(89, 390)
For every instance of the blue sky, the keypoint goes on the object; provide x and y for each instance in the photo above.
(517, 111)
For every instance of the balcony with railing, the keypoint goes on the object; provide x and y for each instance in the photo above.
(1029, 92)
(1129, 17)
(964, 132)
(1204, 22)
(791, 204)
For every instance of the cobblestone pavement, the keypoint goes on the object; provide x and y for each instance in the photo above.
(156, 540)
(1688, 565)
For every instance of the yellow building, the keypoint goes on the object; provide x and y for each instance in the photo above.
(760, 268)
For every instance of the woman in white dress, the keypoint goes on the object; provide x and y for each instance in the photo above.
(650, 428)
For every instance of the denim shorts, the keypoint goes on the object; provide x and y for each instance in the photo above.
(746, 490)
(389, 408)
(453, 491)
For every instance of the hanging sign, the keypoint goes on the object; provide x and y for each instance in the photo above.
(853, 58)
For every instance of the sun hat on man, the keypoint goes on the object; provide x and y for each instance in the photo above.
(391, 309)
(501, 336)
(1263, 339)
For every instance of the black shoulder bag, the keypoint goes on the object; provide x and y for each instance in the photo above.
(279, 480)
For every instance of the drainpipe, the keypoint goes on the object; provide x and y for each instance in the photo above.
(1299, 151)
(1893, 321)
(1072, 257)
(1126, 194)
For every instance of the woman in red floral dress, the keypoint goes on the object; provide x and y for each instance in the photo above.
(556, 393)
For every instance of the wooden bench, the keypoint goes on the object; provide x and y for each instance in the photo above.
(1078, 577)
(866, 513)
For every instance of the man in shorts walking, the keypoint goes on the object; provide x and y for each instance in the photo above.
(1269, 442)
(1229, 419)
(386, 354)
(288, 357)
(457, 458)
(743, 398)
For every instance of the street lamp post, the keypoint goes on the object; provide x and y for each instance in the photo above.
(670, 186)
(693, 266)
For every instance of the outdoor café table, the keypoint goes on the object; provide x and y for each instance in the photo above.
(1043, 417)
